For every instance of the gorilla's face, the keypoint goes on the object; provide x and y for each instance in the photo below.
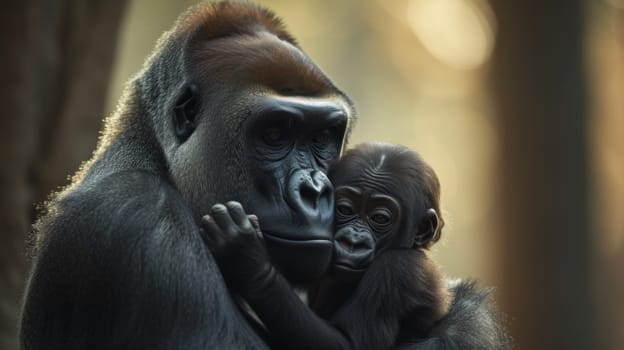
(264, 136)
(292, 141)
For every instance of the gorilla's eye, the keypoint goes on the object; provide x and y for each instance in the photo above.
(322, 138)
(344, 209)
(277, 130)
(273, 136)
(326, 144)
(381, 217)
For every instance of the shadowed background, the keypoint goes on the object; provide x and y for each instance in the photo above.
(517, 104)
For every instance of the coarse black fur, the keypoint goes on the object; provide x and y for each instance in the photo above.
(472, 322)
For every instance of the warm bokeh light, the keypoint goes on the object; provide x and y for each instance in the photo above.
(605, 47)
(457, 32)
(617, 3)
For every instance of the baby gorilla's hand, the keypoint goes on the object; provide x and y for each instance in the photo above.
(235, 240)
(229, 228)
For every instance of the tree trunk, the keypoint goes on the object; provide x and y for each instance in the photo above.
(539, 84)
(56, 60)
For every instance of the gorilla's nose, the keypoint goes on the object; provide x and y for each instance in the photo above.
(354, 241)
(310, 194)
(315, 190)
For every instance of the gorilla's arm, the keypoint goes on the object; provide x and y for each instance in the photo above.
(291, 323)
(121, 266)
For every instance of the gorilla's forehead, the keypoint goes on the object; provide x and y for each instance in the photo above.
(262, 60)
(370, 180)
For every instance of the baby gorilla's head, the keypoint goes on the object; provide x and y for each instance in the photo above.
(387, 197)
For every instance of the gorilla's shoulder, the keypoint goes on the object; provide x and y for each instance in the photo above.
(127, 201)
(472, 322)
(118, 189)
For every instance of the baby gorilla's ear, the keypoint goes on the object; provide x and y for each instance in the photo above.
(427, 229)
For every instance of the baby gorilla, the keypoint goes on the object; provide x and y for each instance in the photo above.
(382, 286)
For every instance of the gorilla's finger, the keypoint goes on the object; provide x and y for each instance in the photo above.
(238, 213)
(255, 223)
(210, 226)
(221, 216)
(211, 229)
(211, 233)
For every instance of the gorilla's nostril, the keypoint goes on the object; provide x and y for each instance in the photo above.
(309, 196)
(353, 244)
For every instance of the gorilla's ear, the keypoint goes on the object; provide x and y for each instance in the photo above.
(185, 111)
(427, 229)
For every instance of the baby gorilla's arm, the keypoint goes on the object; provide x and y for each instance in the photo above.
(234, 239)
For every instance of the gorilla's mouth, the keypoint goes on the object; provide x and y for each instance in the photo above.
(294, 239)
(347, 267)
(302, 260)
(351, 265)
(309, 235)
(349, 259)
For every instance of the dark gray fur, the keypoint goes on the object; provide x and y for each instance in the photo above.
(471, 324)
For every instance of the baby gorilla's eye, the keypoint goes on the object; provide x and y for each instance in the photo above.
(344, 209)
(381, 219)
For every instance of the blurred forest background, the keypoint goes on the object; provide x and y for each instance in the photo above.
(518, 105)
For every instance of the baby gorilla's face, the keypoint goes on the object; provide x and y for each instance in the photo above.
(366, 220)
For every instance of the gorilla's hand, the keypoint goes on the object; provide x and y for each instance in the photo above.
(235, 240)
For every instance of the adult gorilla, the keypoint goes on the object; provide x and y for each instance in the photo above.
(227, 108)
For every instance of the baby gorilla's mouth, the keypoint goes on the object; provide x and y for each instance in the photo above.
(349, 268)
(352, 259)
